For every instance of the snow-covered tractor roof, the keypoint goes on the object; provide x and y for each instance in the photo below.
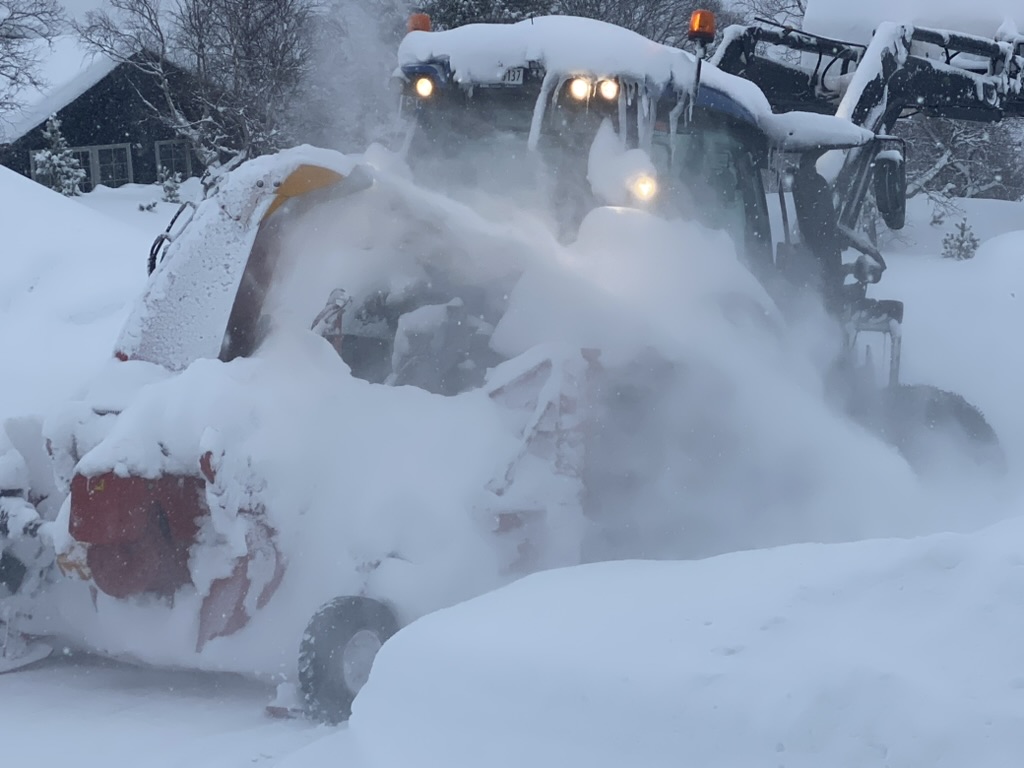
(542, 56)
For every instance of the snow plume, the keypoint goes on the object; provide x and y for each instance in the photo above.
(705, 420)
(349, 100)
(711, 429)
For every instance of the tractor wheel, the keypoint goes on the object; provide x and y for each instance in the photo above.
(937, 432)
(337, 652)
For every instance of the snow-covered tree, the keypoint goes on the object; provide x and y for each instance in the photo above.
(346, 102)
(664, 21)
(23, 24)
(960, 244)
(170, 184)
(956, 158)
(446, 14)
(56, 166)
(789, 12)
(229, 72)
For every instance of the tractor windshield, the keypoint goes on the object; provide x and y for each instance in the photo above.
(710, 172)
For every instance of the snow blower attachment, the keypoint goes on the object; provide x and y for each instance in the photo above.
(134, 531)
(167, 502)
(25, 555)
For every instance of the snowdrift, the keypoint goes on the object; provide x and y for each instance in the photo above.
(855, 22)
(988, 219)
(956, 311)
(880, 653)
(66, 277)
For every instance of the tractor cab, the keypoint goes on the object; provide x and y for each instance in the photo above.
(711, 169)
(564, 114)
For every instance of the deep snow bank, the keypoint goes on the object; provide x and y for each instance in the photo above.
(924, 231)
(880, 653)
(66, 275)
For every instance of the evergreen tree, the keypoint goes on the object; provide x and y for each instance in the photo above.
(962, 244)
(170, 183)
(56, 166)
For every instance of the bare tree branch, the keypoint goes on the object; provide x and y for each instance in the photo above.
(963, 159)
(24, 26)
(244, 62)
(664, 21)
(788, 12)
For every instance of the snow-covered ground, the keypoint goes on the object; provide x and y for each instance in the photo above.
(99, 714)
(878, 653)
(69, 271)
(894, 652)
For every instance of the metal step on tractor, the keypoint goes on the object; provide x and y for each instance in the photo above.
(361, 388)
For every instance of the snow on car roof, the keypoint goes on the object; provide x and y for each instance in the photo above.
(856, 21)
(68, 69)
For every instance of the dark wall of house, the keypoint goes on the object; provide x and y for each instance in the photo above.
(111, 112)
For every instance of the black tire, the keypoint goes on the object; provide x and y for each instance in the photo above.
(345, 626)
(936, 431)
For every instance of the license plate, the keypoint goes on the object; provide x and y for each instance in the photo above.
(513, 76)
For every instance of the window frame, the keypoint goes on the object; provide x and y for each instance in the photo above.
(187, 173)
(93, 175)
(94, 160)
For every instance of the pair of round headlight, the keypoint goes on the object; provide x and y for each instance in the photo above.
(580, 88)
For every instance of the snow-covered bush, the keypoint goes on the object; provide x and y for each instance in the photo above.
(171, 185)
(961, 244)
(56, 166)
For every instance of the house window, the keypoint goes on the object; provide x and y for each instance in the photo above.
(113, 165)
(174, 155)
(84, 157)
(110, 165)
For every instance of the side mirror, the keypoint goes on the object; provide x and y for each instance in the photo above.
(891, 187)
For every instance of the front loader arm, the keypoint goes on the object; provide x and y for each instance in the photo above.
(944, 74)
(904, 70)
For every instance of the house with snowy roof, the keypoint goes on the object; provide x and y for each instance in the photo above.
(104, 119)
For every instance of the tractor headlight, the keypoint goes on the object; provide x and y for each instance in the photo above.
(579, 88)
(643, 187)
(609, 90)
(424, 87)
